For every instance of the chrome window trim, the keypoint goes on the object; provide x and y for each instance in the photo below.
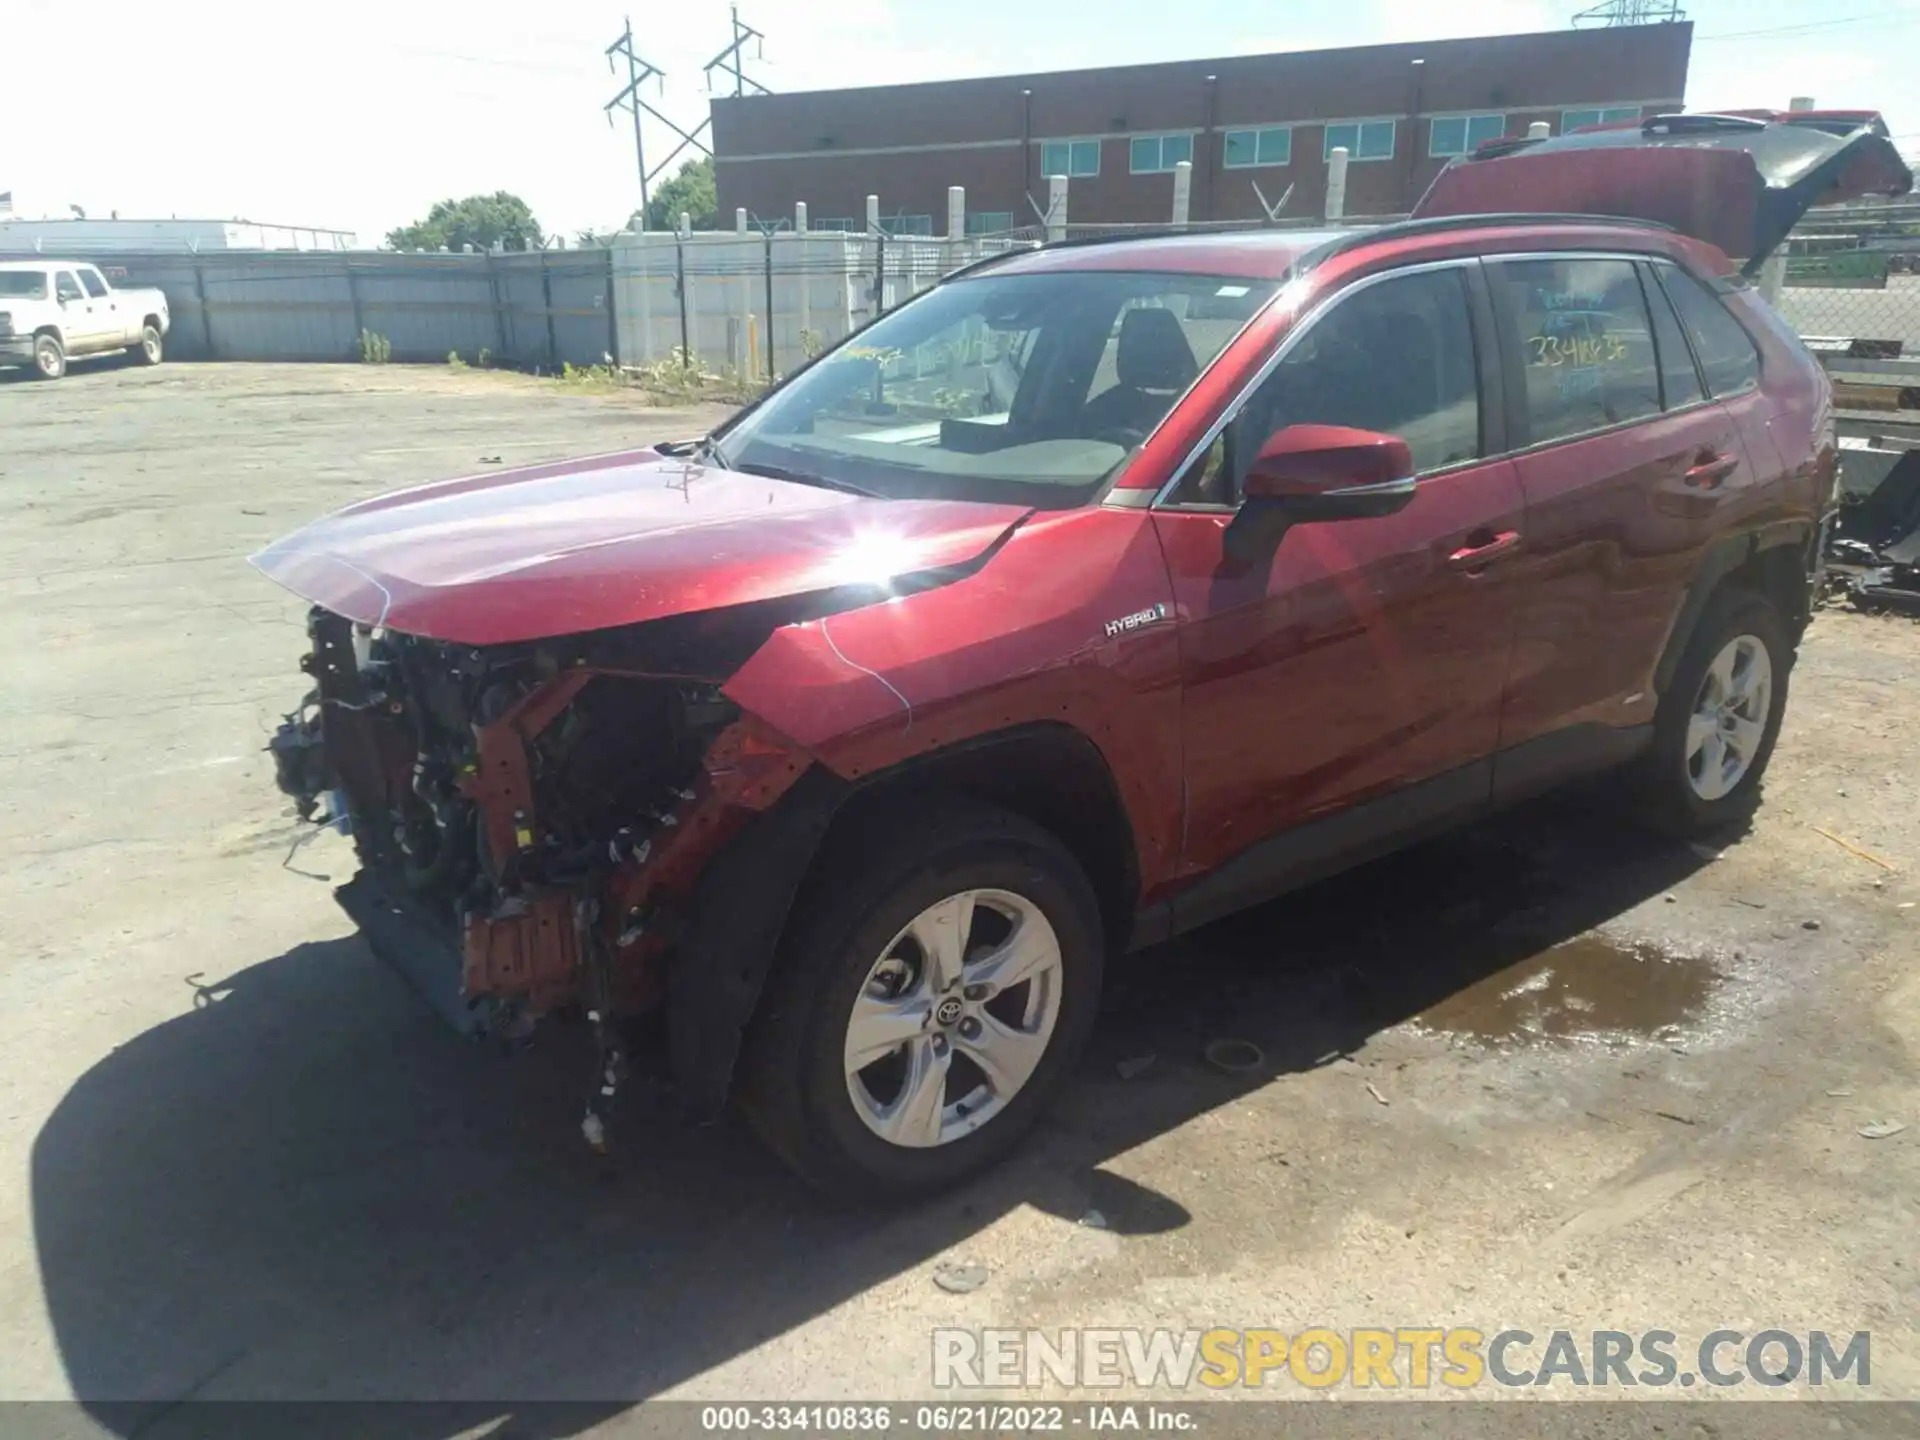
(1304, 324)
(1404, 485)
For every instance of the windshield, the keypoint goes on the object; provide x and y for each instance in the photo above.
(24, 284)
(1030, 389)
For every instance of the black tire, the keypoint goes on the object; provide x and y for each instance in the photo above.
(793, 1082)
(151, 350)
(1668, 798)
(49, 357)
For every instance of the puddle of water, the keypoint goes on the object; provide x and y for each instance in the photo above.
(1585, 987)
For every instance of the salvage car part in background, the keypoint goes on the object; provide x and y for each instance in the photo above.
(1873, 553)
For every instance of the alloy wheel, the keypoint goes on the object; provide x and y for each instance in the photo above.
(1729, 717)
(953, 1018)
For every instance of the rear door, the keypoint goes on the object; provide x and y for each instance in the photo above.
(106, 306)
(1729, 366)
(1348, 688)
(1623, 458)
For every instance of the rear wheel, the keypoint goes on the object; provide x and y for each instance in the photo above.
(927, 1010)
(49, 357)
(1719, 718)
(150, 350)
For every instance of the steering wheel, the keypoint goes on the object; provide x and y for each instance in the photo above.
(1125, 436)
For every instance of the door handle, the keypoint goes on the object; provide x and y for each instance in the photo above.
(1709, 469)
(1487, 548)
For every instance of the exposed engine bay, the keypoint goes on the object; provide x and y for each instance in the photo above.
(533, 814)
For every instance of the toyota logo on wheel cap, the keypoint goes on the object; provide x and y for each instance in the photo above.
(948, 1011)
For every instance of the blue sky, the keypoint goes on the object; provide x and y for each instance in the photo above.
(359, 113)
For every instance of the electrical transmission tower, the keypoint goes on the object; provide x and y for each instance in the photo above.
(1631, 12)
(639, 71)
(729, 60)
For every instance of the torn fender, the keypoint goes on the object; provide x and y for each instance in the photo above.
(1022, 641)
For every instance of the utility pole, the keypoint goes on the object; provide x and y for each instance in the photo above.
(638, 73)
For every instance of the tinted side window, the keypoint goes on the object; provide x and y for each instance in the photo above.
(1679, 380)
(1727, 354)
(1578, 329)
(66, 287)
(1396, 357)
(96, 287)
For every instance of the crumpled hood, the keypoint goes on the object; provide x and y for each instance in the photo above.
(611, 540)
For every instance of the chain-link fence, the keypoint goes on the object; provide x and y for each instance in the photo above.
(1850, 285)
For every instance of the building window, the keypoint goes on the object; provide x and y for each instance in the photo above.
(1609, 115)
(907, 224)
(1073, 158)
(989, 222)
(1463, 134)
(1363, 139)
(1271, 145)
(1153, 154)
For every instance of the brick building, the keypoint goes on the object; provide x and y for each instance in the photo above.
(1401, 111)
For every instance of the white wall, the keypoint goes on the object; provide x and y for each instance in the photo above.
(92, 237)
(822, 282)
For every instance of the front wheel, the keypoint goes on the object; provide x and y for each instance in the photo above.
(150, 350)
(929, 1007)
(49, 357)
(1719, 718)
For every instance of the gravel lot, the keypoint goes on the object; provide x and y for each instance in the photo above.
(1548, 1074)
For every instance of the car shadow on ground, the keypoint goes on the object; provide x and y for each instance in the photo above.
(306, 1187)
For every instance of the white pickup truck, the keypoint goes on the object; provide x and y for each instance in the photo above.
(53, 309)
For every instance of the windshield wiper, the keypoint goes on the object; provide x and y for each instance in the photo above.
(804, 477)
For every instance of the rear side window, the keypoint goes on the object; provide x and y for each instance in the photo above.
(1679, 380)
(1579, 331)
(96, 287)
(1727, 355)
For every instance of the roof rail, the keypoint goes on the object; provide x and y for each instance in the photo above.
(1440, 224)
(1428, 225)
(1145, 232)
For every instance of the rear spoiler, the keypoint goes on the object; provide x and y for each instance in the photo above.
(1739, 182)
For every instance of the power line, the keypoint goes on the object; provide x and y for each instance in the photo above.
(1809, 25)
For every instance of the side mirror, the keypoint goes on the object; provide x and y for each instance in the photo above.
(1314, 473)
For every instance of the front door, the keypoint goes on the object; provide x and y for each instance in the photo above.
(84, 329)
(1349, 687)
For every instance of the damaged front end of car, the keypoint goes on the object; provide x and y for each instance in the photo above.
(520, 709)
(532, 819)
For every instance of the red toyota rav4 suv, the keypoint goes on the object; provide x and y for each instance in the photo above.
(1099, 591)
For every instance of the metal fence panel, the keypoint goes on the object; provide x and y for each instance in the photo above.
(535, 309)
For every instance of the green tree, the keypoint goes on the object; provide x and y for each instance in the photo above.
(478, 220)
(691, 190)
